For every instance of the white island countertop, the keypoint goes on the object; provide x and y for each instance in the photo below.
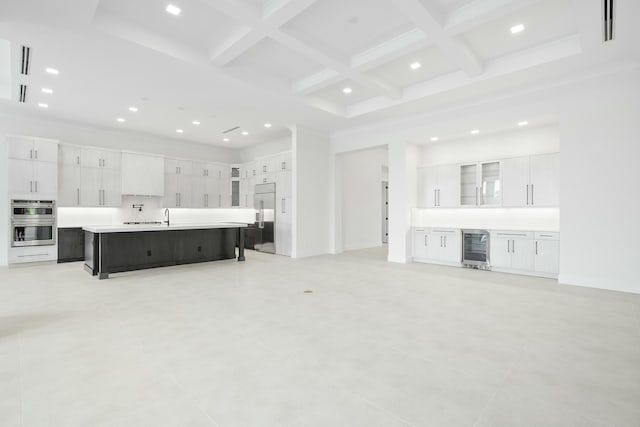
(132, 228)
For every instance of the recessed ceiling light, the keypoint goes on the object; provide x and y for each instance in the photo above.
(195, 122)
(121, 120)
(245, 133)
(415, 65)
(226, 139)
(523, 123)
(133, 109)
(267, 125)
(43, 105)
(347, 90)
(517, 29)
(434, 138)
(174, 10)
(52, 71)
(475, 132)
(47, 90)
(179, 131)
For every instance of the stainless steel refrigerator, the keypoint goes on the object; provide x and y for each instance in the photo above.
(265, 203)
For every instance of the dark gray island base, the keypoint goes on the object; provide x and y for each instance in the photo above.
(108, 251)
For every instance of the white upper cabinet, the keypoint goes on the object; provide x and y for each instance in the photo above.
(545, 180)
(531, 181)
(32, 168)
(438, 186)
(480, 184)
(26, 148)
(178, 180)
(142, 175)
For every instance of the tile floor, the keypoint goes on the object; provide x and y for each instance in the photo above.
(375, 344)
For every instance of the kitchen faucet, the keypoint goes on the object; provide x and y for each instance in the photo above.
(166, 214)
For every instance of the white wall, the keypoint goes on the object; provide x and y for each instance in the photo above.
(72, 133)
(311, 183)
(502, 145)
(266, 148)
(600, 186)
(361, 197)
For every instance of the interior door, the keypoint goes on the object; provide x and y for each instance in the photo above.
(545, 180)
(515, 181)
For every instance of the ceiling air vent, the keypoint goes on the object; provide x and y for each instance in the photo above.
(231, 130)
(608, 20)
(22, 97)
(26, 60)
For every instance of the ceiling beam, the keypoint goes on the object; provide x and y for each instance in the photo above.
(430, 20)
(261, 24)
(480, 12)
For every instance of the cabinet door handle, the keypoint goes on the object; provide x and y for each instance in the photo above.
(508, 245)
(284, 165)
(440, 241)
(425, 240)
(435, 197)
(531, 194)
(31, 154)
(527, 194)
(536, 247)
(176, 200)
(77, 160)
(513, 246)
(78, 196)
(36, 182)
(30, 186)
(476, 196)
(264, 168)
(445, 241)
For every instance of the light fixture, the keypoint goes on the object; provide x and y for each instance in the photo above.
(347, 90)
(517, 29)
(475, 132)
(415, 65)
(174, 10)
(267, 125)
(121, 120)
(523, 123)
(133, 109)
(52, 71)
(226, 139)
(195, 122)
(245, 133)
(179, 131)
(43, 105)
(47, 90)
(434, 138)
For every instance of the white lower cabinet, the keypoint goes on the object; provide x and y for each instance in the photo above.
(437, 245)
(547, 253)
(525, 252)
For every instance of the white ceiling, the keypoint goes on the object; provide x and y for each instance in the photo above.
(244, 63)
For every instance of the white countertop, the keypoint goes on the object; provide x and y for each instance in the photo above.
(124, 228)
(489, 228)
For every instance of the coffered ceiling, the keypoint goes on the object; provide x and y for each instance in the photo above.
(244, 63)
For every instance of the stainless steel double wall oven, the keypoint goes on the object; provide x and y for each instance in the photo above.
(33, 222)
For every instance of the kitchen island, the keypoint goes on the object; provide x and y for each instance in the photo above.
(117, 248)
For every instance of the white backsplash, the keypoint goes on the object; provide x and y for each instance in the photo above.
(151, 211)
(535, 219)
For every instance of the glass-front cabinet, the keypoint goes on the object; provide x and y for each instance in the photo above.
(480, 184)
